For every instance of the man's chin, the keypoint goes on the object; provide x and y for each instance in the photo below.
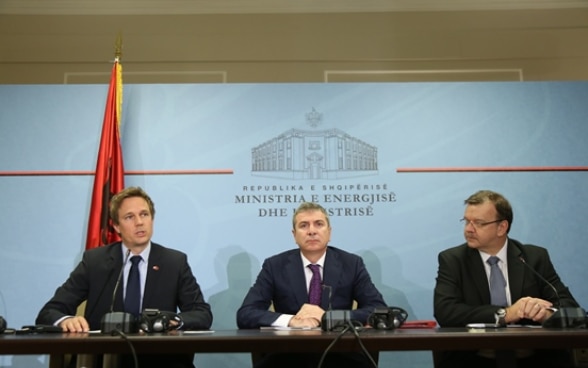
(472, 244)
(142, 242)
(315, 248)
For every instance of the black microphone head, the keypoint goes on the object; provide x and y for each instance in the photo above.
(2, 324)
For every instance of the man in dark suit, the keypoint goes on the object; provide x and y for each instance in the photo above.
(166, 278)
(462, 291)
(285, 281)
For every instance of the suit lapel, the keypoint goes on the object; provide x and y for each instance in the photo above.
(332, 274)
(478, 274)
(115, 260)
(516, 271)
(294, 272)
(153, 274)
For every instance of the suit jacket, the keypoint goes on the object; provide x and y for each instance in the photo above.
(170, 285)
(462, 293)
(282, 282)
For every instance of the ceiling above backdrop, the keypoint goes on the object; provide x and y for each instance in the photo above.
(151, 7)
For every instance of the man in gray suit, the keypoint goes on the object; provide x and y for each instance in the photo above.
(167, 280)
(462, 291)
(285, 281)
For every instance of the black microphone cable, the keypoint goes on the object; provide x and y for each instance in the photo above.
(337, 338)
(350, 326)
(126, 338)
(363, 348)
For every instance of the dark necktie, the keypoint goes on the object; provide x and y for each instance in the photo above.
(497, 283)
(133, 292)
(315, 289)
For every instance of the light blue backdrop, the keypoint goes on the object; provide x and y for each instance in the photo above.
(193, 127)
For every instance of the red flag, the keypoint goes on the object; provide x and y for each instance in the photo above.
(109, 177)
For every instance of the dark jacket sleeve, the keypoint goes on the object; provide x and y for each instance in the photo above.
(93, 281)
(67, 297)
(457, 299)
(255, 310)
(194, 311)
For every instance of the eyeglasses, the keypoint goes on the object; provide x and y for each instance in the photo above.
(478, 224)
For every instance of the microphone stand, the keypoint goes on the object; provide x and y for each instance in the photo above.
(117, 322)
(563, 317)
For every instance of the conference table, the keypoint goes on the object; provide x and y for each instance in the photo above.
(58, 345)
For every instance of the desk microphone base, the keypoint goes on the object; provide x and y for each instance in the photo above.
(119, 321)
(567, 318)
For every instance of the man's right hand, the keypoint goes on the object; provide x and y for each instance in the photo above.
(535, 309)
(309, 315)
(75, 324)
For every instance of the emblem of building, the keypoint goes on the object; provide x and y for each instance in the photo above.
(314, 154)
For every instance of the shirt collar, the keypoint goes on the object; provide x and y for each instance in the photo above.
(144, 254)
(501, 253)
(306, 262)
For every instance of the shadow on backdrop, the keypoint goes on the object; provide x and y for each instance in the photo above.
(240, 267)
(399, 292)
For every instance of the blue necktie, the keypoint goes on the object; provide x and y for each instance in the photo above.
(315, 290)
(497, 283)
(133, 292)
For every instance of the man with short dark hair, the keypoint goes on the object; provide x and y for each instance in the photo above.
(465, 281)
(286, 282)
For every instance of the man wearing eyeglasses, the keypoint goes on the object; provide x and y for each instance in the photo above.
(467, 290)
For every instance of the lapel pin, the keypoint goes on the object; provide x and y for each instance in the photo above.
(155, 268)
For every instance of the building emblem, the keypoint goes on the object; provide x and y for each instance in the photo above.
(314, 154)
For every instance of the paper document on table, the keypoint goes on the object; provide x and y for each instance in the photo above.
(196, 332)
(279, 328)
(524, 326)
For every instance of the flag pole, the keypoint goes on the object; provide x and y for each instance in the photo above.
(109, 175)
(118, 47)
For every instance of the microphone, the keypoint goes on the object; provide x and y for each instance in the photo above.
(563, 317)
(336, 320)
(328, 287)
(118, 279)
(113, 322)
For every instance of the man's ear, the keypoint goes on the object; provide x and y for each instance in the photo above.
(503, 228)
